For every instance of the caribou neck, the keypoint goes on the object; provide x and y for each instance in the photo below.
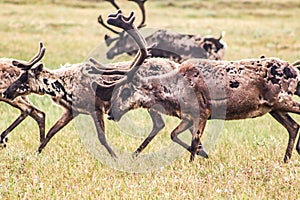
(53, 83)
(157, 93)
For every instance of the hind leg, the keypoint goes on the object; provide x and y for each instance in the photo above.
(200, 149)
(292, 127)
(197, 133)
(158, 124)
(183, 125)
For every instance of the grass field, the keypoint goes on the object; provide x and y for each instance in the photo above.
(246, 160)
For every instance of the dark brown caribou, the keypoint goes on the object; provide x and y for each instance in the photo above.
(199, 90)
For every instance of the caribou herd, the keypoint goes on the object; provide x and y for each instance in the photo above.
(183, 74)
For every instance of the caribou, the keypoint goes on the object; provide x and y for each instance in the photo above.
(10, 69)
(175, 46)
(200, 90)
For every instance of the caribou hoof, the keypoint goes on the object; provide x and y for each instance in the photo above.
(134, 155)
(201, 152)
(39, 151)
(286, 159)
(3, 142)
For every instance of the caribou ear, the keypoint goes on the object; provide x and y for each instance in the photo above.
(19, 64)
(106, 39)
(297, 64)
(222, 35)
(37, 70)
(104, 93)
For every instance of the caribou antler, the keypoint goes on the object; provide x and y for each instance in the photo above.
(33, 61)
(105, 71)
(108, 39)
(114, 4)
(100, 20)
(126, 23)
(142, 7)
(102, 69)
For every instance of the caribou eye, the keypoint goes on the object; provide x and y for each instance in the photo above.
(126, 94)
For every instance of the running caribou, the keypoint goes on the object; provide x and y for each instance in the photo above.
(175, 46)
(70, 87)
(199, 90)
(9, 72)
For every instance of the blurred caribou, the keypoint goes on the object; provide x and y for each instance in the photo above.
(175, 46)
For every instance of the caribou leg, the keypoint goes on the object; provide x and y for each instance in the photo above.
(158, 124)
(292, 127)
(67, 116)
(99, 123)
(197, 133)
(26, 109)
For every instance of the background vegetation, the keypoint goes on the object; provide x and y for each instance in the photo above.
(246, 159)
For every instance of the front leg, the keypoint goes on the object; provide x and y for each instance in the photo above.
(97, 116)
(67, 116)
(24, 107)
(3, 138)
(158, 124)
(39, 117)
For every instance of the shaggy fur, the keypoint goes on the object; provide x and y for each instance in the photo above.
(202, 89)
(8, 74)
